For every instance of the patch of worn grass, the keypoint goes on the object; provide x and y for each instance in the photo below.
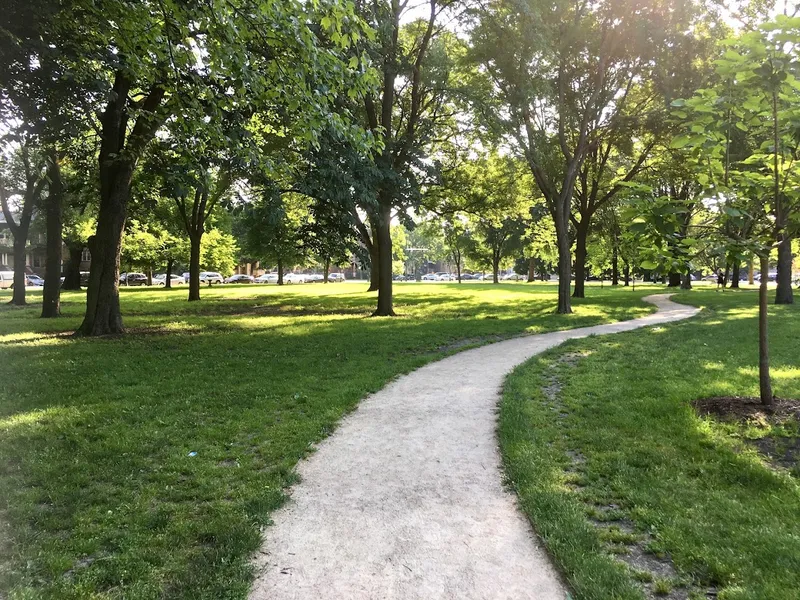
(145, 466)
(710, 506)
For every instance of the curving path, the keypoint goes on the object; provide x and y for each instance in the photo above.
(406, 500)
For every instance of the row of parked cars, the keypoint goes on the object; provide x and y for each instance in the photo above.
(464, 277)
(214, 278)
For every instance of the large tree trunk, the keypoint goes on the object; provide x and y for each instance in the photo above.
(764, 380)
(495, 269)
(18, 293)
(194, 267)
(783, 294)
(581, 235)
(51, 299)
(72, 272)
(737, 268)
(103, 314)
(686, 281)
(383, 242)
(674, 280)
(119, 152)
(531, 270)
(280, 272)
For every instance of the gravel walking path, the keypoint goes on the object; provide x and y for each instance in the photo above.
(405, 500)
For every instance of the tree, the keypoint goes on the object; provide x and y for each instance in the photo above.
(23, 176)
(557, 82)
(404, 115)
(144, 64)
(271, 226)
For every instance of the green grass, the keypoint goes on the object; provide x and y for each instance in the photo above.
(691, 488)
(98, 486)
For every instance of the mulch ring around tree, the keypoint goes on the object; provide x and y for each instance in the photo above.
(781, 423)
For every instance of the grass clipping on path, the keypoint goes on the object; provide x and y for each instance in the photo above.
(145, 466)
(636, 495)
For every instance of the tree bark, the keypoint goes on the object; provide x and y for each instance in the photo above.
(581, 235)
(18, 293)
(737, 267)
(614, 263)
(280, 271)
(686, 281)
(784, 294)
(674, 280)
(194, 267)
(495, 269)
(51, 298)
(384, 244)
(626, 272)
(326, 270)
(764, 380)
(531, 270)
(750, 269)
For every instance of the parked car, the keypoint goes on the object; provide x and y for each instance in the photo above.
(34, 280)
(6, 279)
(267, 278)
(511, 277)
(315, 278)
(429, 277)
(161, 280)
(336, 277)
(133, 279)
(294, 278)
(211, 277)
(240, 278)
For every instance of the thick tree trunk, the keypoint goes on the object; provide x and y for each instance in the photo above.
(686, 281)
(326, 270)
(727, 275)
(18, 293)
(72, 272)
(383, 242)
(581, 235)
(280, 272)
(614, 265)
(784, 294)
(374, 258)
(531, 270)
(194, 267)
(119, 153)
(168, 279)
(764, 380)
(51, 299)
(737, 272)
(674, 280)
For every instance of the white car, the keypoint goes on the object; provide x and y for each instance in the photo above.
(267, 278)
(315, 278)
(294, 278)
(161, 280)
(6, 279)
(211, 277)
(336, 277)
(429, 277)
(511, 277)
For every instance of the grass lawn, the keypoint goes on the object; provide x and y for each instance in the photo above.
(634, 494)
(145, 466)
